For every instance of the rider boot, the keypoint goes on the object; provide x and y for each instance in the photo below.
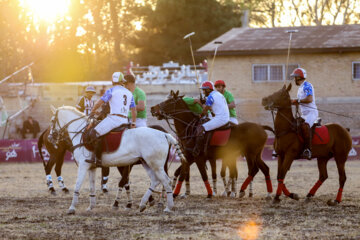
(199, 141)
(96, 155)
(307, 134)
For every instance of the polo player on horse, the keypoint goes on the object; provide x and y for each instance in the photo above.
(217, 103)
(120, 100)
(308, 109)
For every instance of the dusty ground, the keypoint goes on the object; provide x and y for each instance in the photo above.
(28, 211)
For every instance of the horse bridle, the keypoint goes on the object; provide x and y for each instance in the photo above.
(55, 136)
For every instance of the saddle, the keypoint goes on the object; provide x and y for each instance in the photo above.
(218, 137)
(110, 141)
(320, 133)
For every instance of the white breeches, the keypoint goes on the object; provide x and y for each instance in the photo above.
(310, 116)
(109, 123)
(215, 123)
(234, 120)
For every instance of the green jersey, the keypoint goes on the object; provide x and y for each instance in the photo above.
(230, 98)
(194, 107)
(139, 95)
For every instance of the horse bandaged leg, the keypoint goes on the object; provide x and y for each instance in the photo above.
(233, 187)
(208, 188)
(177, 188)
(268, 184)
(314, 188)
(214, 186)
(187, 185)
(128, 194)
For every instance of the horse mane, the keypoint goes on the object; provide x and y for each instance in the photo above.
(72, 109)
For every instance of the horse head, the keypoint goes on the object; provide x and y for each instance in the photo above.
(168, 108)
(279, 99)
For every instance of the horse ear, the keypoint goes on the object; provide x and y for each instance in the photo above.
(284, 87)
(177, 93)
(53, 109)
(289, 87)
(171, 93)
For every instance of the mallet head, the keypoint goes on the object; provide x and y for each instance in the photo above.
(292, 31)
(189, 35)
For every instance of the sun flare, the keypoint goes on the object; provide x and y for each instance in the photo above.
(46, 10)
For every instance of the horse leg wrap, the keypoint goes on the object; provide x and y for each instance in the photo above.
(128, 193)
(339, 195)
(315, 188)
(178, 188)
(118, 193)
(268, 184)
(280, 186)
(214, 186)
(246, 183)
(224, 181)
(208, 187)
(61, 182)
(187, 185)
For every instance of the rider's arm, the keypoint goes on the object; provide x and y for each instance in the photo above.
(140, 106)
(205, 110)
(96, 106)
(133, 113)
(231, 105)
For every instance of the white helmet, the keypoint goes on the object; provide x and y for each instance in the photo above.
(117, 77)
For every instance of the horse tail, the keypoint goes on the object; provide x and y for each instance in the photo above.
(40, 144)
(268, 128)
(173, 141)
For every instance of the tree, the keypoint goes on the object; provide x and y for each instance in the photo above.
(166, 25)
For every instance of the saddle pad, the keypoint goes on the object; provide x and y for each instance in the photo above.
(110, 143)
(323, 132)
(220, 137)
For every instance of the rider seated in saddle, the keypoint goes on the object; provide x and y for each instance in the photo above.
(306, 101)
(217, 103)
(120, 100)
(220, 87)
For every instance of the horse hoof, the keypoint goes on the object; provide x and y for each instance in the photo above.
(241, 194)
(71, 212)
(105, 191)
(268, 198)
(142, 208)
(224, 194)
(52, 191)
(89, 209)
(332, 203)
(232, 194)
(128, 206)
(167, 210)
(160, 205)
(174, 195)
(250, 195)
(308, 199)
(115, 205)
(294, 196)
(65, 190)
(276, 200)
(228, 194)
(183, 196)
(209, 197)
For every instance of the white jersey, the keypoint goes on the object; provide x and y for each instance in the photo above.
(120, 100)
(308, 111)
(219, 106)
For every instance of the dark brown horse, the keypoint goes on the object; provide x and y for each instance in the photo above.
(246, 139)
(288, 146)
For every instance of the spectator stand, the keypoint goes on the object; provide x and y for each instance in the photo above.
(168, 73)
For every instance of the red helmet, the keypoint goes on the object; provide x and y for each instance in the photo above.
(207, 85)
(220, 82)
(299, 72)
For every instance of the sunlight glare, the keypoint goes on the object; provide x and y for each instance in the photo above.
(138, 25)
(249, 231)
(46, 10)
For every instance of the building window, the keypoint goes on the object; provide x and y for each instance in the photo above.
(356, 70)
(271, 72)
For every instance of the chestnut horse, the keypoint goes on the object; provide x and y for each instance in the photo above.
(288, 146)
(246, 139)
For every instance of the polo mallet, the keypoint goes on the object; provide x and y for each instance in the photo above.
(288, 52)
(217, 44)
(192, 54)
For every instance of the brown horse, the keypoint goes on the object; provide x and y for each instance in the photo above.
(246, 139)
(289, 146)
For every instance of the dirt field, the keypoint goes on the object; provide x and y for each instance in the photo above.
(27, 210)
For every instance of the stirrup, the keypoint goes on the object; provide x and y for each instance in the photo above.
(307, 154)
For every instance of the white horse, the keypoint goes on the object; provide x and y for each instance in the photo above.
(146, 143)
